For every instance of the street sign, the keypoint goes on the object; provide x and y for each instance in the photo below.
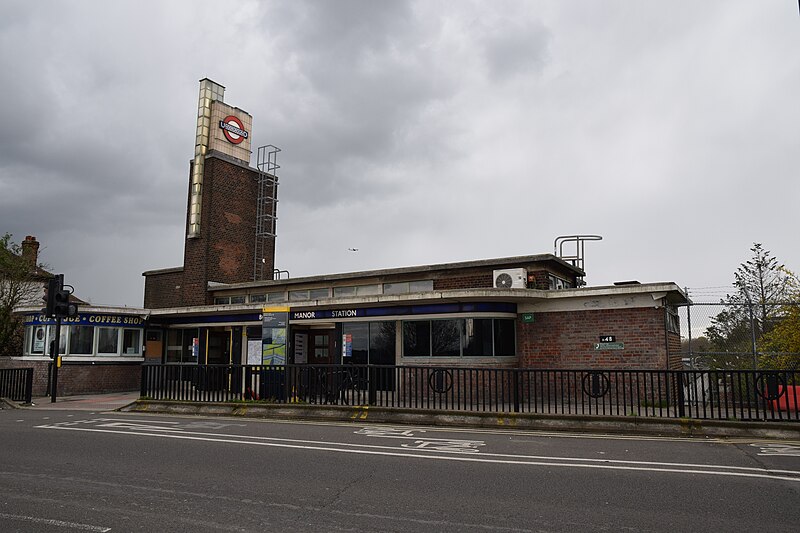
(609, 346)
(527, 318)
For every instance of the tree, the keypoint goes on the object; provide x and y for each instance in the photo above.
(21, 282)
(781, 345)
(762, 285)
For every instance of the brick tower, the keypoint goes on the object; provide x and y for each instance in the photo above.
(225, 202)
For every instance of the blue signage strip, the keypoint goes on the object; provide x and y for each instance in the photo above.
(88, 319)
(430, 309)
(212, 319)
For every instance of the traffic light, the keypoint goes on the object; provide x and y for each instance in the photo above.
(56, 299)
(61, 303)
(50, 289)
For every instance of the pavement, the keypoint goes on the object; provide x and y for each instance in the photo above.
(86, 402)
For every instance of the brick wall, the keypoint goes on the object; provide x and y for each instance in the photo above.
(674, 346)
(163, 290)
(81, 379)
(470, 281)
(566, 339)
(540, 279)
(225, 250)
(537, 279)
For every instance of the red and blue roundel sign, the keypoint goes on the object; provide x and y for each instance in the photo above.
(233, 129)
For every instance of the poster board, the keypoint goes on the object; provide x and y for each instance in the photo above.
(254, 352)
(301, 348)
(274, 326)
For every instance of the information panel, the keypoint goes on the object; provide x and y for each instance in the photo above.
(273, 335)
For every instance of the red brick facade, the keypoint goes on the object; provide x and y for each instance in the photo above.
(540, 279)
(566, 339)
(470, 281)
(164, 289)
(224, 252)
(81, 378)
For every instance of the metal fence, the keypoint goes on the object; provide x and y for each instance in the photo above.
(702, 394)
(16, 384)
(730, 336)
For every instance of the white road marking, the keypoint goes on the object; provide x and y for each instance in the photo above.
(57, 523)
(780, 449)
(499, 431)
(568, 462)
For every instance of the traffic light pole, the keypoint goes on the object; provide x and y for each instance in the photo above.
(55, 356)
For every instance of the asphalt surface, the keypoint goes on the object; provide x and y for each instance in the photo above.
(107, 471)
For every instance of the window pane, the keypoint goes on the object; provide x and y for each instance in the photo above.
(417, 338)
(131, 343)
(382, 343)
(80, 340)
(298, 296)
(107, 339)
(504, 339)
(446, 336)
(319, 293)
(237, 299)
(395, 288)
(359, 332)
(222, 300)
(276, 297)
(478, 337)
(62, 339)
(421, 286)
(258, 298)
(37, 340)
(344, 291)
(368, 290)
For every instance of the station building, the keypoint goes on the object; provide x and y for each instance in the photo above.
(228, 304)
(514, 311)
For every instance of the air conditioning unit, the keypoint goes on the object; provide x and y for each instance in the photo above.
(510, 278)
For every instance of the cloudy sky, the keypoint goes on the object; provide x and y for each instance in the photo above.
(417, 132)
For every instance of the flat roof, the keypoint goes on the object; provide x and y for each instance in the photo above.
(497, 262)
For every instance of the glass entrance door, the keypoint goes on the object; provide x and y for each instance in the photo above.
(219, 347)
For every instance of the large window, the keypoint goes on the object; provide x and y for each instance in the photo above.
(371, 342)
(471, 337)
(37, 344)
(107, 341)
(131, 342)
(446, 338)
(478, 336)
(417, 338)
(84, 340)
(504, 338)
(81, 340)
(62, 339)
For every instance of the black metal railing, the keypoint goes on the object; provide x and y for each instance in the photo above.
(721, 395)
(16, 384)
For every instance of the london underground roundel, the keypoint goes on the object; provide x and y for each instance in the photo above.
(233, 129)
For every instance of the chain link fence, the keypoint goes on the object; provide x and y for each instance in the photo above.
(740, 336)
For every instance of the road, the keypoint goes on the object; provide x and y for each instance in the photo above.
(64, 471)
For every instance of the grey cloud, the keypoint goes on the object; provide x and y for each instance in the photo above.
(515, 47)
(416, 131)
